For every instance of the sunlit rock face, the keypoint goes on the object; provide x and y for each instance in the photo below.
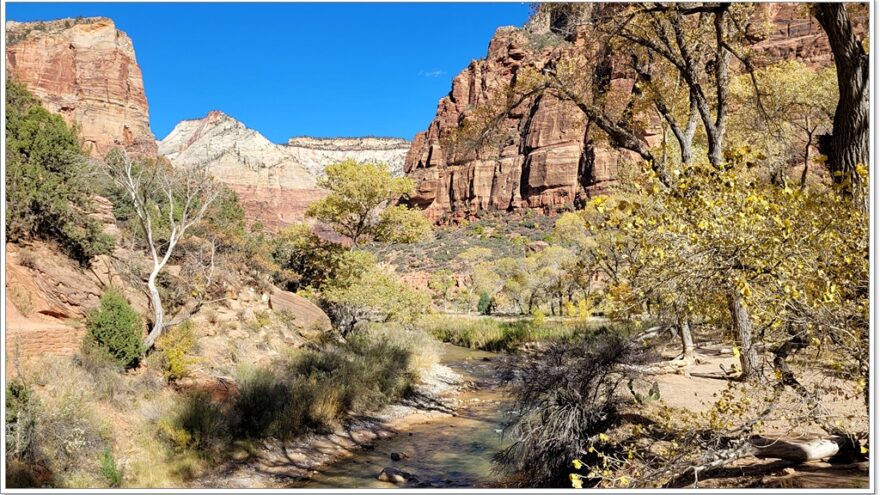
(85, 70)
(546, 154)
(316, 153)
(275, 182)
(272, 186)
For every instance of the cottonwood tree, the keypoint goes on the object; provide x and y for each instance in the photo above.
(847, 147)
(357, 192)
(679, 57)
(166, 202)
(443, 282)
(798, 105)
(365, 292)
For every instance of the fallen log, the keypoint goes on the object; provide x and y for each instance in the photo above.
(796, 450)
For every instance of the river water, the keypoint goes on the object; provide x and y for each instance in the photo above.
(444, 452)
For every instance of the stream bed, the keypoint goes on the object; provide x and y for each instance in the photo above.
(442, 452)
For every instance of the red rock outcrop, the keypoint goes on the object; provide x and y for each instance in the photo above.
(85, 70)
(47, 296)
(546, 156)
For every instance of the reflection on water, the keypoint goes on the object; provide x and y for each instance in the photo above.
(443, 452)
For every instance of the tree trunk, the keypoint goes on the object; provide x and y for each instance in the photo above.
(806, 156)
(687, 339)
(742, 327)
(158, 311)
(848, 144)
(796, 451)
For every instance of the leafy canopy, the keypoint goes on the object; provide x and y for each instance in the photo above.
(49, 194)
(357, 190)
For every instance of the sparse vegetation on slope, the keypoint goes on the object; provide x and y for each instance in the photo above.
(48, 185)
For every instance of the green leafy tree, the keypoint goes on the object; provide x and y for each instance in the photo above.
(49, 193)
(442, 282)
(116, 328)
(401, 224)
(357, 191)
(369, 293)
(303, 258)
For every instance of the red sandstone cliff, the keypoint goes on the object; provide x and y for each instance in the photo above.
(85, 70)
(547, 157)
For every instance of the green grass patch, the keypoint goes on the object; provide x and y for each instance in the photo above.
(492, 334)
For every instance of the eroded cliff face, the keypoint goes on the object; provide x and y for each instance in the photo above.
(544, 158)
(316, 153)
(86, 71)
(549, 156)
(272, 186)
(276, 183)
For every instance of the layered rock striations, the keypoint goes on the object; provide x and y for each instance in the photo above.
(275, 182)
(85, 70)
(273, 187)
(316, 153)
(547, 155)
(543, 159)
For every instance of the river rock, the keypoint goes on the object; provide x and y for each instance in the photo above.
(396, 476)
(396, 456)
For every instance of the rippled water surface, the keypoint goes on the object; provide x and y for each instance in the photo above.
(442, 452)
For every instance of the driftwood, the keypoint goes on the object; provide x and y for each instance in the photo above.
(797, 451)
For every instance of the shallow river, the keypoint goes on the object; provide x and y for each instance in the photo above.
(453, 451)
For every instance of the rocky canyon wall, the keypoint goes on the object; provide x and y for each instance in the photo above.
(275, 182)
(547, 157)
(316, 153)
(85, 70)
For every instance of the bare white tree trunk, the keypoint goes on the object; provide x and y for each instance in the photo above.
(158, 311)
(188, 193)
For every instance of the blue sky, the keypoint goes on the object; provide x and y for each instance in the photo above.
(298, 69)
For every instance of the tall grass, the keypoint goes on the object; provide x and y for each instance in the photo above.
(492, 334)
(308, 391)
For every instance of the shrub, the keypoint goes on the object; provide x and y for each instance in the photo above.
(565, 397)
(484, 305)
(175, 350)
(261, 399)
(115, 328)
(491, 334)
(68, 431)
(21, 412)
(539, 318)
(48, 194)
(212, 316)
(21, 298)
(424, 350)
(109, 471)
(310, 390)
(27, 259)
(197, 423)
(104, 371)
